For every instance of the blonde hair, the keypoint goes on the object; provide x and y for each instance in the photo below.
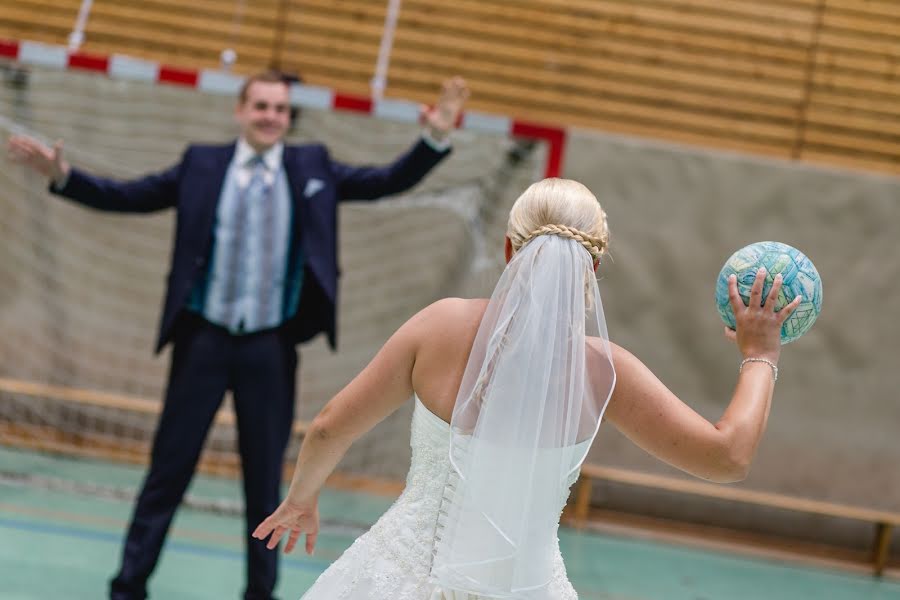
(562, 207)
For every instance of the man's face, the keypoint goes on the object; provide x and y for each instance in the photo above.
(265, 114)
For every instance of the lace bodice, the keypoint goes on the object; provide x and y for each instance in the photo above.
(393, 559)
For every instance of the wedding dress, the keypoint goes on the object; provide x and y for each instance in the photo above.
(392, 561)
(479, 517)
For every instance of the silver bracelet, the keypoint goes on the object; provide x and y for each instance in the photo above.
(760, 360)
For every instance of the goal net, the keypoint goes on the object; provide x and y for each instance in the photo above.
(82, 290)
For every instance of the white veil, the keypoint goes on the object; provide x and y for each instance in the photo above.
(534, 390)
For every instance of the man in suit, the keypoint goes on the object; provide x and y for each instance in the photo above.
(254, 273)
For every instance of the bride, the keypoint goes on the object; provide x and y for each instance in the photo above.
(509, 393)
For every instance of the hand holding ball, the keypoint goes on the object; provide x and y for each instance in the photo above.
(800, 278)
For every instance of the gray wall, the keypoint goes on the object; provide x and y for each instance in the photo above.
(675, 215)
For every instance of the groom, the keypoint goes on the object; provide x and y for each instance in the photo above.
(254, 272)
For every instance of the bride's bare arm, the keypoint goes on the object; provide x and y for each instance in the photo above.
(649, 414)
(382, 387)
(376, 392)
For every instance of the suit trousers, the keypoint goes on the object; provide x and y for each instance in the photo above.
(260, 369)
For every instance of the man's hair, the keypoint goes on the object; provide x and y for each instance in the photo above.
(263, 77)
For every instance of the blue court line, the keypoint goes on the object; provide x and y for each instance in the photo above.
(182, 547)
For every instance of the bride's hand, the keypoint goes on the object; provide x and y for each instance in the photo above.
(297, 518)
(758, 324)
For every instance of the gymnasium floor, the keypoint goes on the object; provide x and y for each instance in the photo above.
(57, 542)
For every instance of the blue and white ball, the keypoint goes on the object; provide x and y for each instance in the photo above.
(800, 277)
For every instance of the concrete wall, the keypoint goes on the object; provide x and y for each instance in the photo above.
(675, 215)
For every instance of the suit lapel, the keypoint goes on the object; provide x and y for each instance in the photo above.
(290, 160)
(215, 169)
(299, 210)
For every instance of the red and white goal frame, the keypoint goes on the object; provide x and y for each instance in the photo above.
(216, 82)
(117, 66)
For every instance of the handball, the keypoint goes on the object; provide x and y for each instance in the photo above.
(799, 278)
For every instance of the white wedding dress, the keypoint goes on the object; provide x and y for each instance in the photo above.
(393, 559)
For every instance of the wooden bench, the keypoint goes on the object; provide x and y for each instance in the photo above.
(883, 521)
(102, 445)
(39, 437)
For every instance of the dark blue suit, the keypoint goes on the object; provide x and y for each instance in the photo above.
(206, 361)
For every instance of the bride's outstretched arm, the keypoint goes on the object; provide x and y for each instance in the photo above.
(382, 387)
(649, 414)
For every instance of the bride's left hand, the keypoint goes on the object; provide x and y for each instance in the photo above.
(295, 517)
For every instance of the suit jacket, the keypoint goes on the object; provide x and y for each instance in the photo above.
(193, 187)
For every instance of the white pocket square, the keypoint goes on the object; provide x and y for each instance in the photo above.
(313, 186)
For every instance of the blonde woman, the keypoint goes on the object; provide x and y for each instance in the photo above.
(509, 393)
